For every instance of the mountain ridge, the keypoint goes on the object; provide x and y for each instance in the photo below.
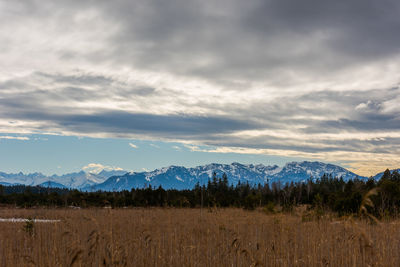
(379, 175)
(76, 180)
(179, 177)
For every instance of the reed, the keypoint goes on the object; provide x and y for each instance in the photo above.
(189, 237)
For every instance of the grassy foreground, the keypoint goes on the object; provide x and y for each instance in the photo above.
(191, 237)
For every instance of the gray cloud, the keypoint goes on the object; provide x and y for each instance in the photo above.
(256, 39)
(166, 125)
(78, 79)
(124, 123)
(232, 39)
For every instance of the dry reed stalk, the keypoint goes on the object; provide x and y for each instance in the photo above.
(177, 237)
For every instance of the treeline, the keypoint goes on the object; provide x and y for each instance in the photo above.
(378, 198)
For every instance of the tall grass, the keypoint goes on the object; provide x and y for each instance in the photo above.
(185, 237)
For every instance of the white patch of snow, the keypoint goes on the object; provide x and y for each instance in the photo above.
(179, 178)
(156, 172)
(26, 220)
(274, 171)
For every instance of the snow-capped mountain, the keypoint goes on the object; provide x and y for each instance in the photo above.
(21, 178)
(379, 175)
(83, 179)
(301, 171)
(184, 178)
(72, 180)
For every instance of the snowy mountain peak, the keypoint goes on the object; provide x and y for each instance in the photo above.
(179, 177)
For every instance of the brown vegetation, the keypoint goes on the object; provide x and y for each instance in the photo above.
(191, 237)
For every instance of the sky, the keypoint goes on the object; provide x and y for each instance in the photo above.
(145, 84)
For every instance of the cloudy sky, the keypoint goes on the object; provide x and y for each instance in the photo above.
(147, 83)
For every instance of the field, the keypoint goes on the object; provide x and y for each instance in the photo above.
(193, 237)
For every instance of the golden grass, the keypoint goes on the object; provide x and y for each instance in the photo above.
(189, 237)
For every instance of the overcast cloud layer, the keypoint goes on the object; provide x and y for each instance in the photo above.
(314, 79)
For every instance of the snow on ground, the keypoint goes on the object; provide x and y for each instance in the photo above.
(26, 220)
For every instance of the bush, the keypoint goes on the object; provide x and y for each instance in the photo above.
(269, 208)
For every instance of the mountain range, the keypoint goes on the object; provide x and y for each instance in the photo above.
(179, 177)
(76, 180)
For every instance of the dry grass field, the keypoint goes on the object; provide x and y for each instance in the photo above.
(189, 237)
